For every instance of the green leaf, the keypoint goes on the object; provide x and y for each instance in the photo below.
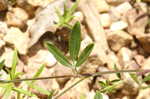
(84, 55)
(14, 64)
(19, 90)
(37, 74)
(7, 92)
(75, 41)
(102, 84)
(2, 64)
(51, 94)
(147, 78)
(41, 90)
(58, 54)
(135, 78)
(118, 74)
(98, 95)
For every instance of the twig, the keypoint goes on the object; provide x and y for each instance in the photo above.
(72, 76)
(64, 91)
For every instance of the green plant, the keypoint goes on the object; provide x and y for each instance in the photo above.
(98, 95)
(67, 15)
(9, 87)
(74, 48)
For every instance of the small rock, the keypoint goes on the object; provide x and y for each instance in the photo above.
(3, 5)
(136, 27)
(86, 40)
(41, 3)
(44, 57)
(123, 8)
(80, 89)
(2, 43)
(139, 59)
(119, 11)
(39, 26)
(118, 39)
(3, 28)
(16, 17)
(62, 70)
(78, 16)
(119, 25)
(18, 38)
(130, 87)
(101, 5)
(125, 56)
(105, 20)
(146, 64)
(116, 2)
(8, 57)
(145, 42)
(144, 94)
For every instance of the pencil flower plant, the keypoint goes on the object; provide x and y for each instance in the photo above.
(74, 48)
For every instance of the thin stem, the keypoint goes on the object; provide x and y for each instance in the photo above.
(72, 76)
(93, 75)
(67, 89)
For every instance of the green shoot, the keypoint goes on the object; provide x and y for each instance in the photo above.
(67, 16)
(2, 64)
(75, 41)
(74, 48)
(98, 95)
(14, 64)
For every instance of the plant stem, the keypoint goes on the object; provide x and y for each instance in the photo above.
(73, 76)
(64, 91)
(93, 75)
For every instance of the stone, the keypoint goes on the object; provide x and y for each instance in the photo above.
(125, 55)
(101, 5)
(60, 70)
(116, 2)
(105, 20)
(78, 16)
(8, 57)
(44, 57)
(81, 88)
(41, 3)
(136, 27)
(145, 42)
(119, 25)
(45, 21)
(2, 43)
(143, 94)
(3, 5)
(123, 8)
(3, 28)
(118, 39)
(146, 64)
(16, 17)
(119, 11)
(19, 39)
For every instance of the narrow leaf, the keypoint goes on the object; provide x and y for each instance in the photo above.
(14, 64)
(58, 54)
(19, 90)
(37, 74)
(147, 78)
(118, 74)
(7, 93)
(85, 54)
(2, 64)
(75, 41)
(135, 78)
(98, 95)
(41, 90)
